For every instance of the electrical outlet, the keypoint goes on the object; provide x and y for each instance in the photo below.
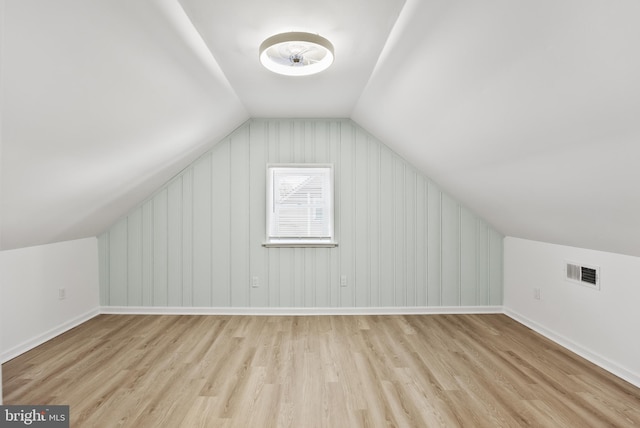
(62, 293)
(343, 280)
(537, 294)
(255, 282)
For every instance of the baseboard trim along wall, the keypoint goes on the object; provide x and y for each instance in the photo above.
(48, 335)
(596, 359)
(148, 310)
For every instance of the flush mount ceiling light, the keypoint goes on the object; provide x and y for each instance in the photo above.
(296, 53)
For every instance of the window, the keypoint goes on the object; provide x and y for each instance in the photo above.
(300, 205)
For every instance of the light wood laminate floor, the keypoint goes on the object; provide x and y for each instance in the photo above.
(317, 371)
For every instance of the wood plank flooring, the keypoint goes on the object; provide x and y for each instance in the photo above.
(317, 371)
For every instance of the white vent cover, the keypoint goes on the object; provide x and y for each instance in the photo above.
(586, 275)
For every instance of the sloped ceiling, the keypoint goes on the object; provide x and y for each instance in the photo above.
(527, 112)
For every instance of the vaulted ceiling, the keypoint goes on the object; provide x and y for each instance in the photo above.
(527, 112)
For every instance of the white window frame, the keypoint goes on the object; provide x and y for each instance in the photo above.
(275, 241)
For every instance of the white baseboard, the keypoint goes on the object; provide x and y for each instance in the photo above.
(419, 310)
(413, 310)
(48, 335)
(166, 310)
(596, 359)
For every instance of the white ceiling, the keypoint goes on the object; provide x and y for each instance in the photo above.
(527, 112)
(233, 31)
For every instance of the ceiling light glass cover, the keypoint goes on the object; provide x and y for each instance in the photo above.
(296, 53)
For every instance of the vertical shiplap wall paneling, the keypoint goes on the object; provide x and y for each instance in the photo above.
(434, 250)
(259, 296)
(187, 237)
(345, 214)
(402, 241)
(410, 234)
(468, 258)
(118, 263)
(304, 282)
(273, 255)
(103, 268)
(160, 253)
(297, 143)
(220, 257)
(387, 241)
(309, 256)
(399, 233)
(373, 177)
(174, 243)
(240, 218)
(203, 239)
(334, 253)
(147, 253)
(361, 215)
(450, 247)
(420, 241)
(286, 255)
(321, 272)
(482, 267)
(495, 267)
(352, 133)
(134, 258)
(297, 138)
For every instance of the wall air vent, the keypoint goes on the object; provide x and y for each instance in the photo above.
(585, 275)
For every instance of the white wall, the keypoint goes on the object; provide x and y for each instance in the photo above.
(402, 241)
(603, 326)
(31, 277)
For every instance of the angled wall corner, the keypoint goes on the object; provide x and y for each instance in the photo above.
(197, 242)
(597, 324)
(46, 290)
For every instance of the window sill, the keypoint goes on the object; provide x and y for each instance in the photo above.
(300, 244)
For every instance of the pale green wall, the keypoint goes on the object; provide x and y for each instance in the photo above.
(402, 242)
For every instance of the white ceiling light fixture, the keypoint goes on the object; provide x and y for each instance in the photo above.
(296, 53)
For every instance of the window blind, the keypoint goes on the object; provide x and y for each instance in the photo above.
(301, 203)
